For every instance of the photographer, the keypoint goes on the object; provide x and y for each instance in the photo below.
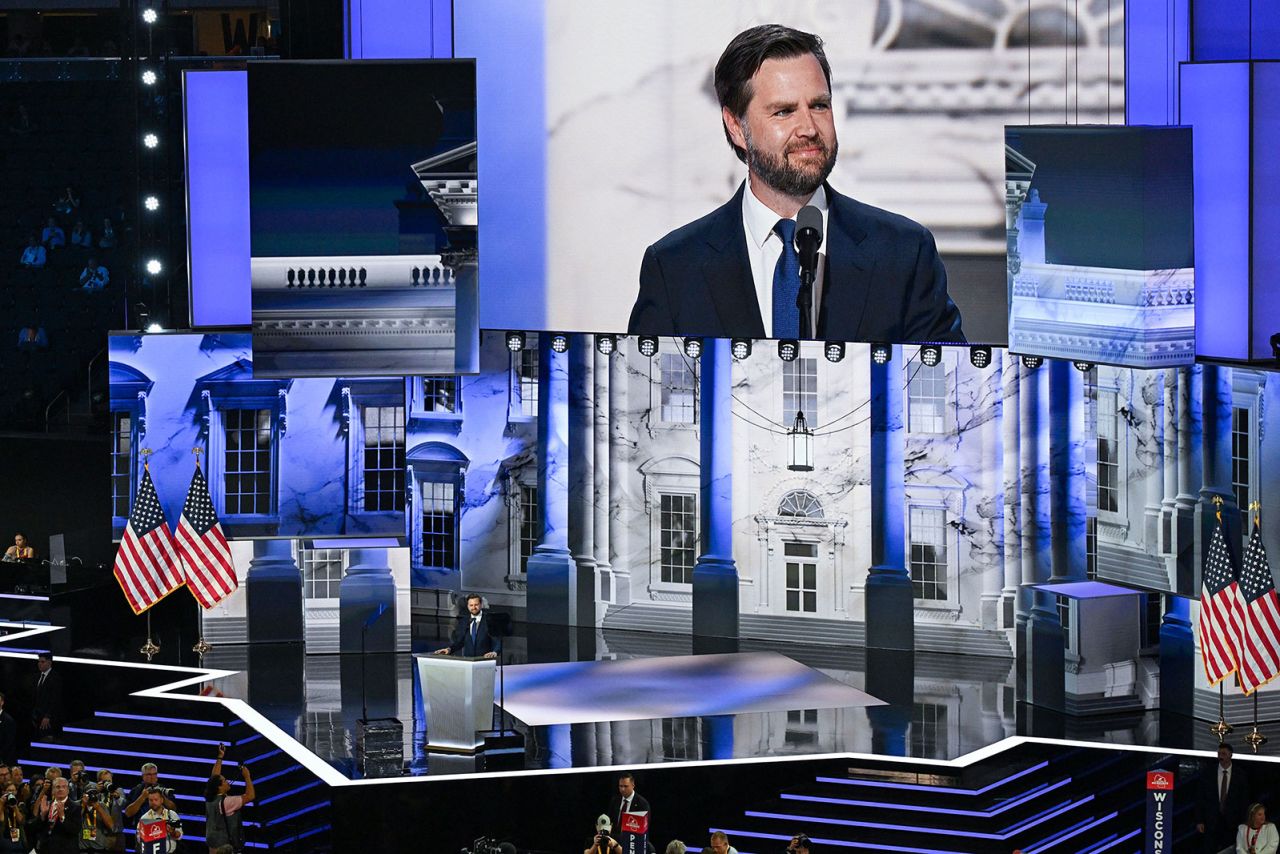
(13, 822)
(77, 777)
(602, 842)
(57, 819)
(159, 828)
(24, 788)
(102, 814)
(136, 800)
(222, 811)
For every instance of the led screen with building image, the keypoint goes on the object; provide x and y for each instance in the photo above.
(1100, 251)
(363, 217)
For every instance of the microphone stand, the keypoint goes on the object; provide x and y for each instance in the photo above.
(804, 302)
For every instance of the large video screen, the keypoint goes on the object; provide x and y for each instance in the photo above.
(613, 115)
(363, 217)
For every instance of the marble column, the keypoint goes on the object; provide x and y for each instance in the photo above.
(1168, 504)
(890, 604)
(273, 590)
(582, 466)
(1151, 449)
(603, 470)
(1177, 658)
(1011, 464)
(1216, 461)
(717, 737)
(1189, 455)
(367, 604)
(1068, 510)
(715, 575)
(620, 444)
(993, 575)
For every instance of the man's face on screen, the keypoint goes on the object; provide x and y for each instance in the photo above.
(789, 131)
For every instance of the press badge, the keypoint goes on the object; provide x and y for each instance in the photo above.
(88, 834)
(13, 834)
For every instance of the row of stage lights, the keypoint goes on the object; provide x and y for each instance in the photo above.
(788, 350)
(151, 141)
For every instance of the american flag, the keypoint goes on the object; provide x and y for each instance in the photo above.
(1220, 614)
(147, 565)
(1260, 641)
(211, 576)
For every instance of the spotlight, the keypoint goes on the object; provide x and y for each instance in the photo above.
(1032, 362)
(980, 355)
(151, 140)
(155, 327)
(835, 351)
(149, 16)
(648, 346)
(1083, 367)
(740, 348)
(154, 266)
(515, 341)
(151, 203)
(149, 77)
(930, 355)
(881, 353)
(606, 344)
(788, 349)
(560, 342)
(693, 347)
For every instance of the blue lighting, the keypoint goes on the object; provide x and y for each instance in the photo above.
(115, 734)
(1114, 842)
(1007, 805)
(151, 756)
(158, 719)
(311, 785)
(273, 775)
(837, 843)
(266, 755)
(1068, 834)
(297, 813)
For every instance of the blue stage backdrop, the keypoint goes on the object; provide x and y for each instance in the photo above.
(284, 457)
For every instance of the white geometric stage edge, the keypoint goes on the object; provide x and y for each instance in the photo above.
(676, 686)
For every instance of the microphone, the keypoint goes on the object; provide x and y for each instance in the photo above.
(808, 240)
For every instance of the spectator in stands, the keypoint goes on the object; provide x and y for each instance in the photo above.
(8, 741)
(720, 844)
(34, 255)
(20, 550)
(159, 828)
(32, 337)
(57, 818)
(81, 236)
(1257, 835)
(46, 703)
(675, 846)
(68, 203)
(136, 801)
(94, 276)
(13, 822)
(107, 240)
(222, 810)
(53, 236)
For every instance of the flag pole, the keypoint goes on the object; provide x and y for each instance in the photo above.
(1221, 729)
(150, 649)
(1255, 739)
(201, 646)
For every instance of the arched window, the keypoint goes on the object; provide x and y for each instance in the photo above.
(800, 504)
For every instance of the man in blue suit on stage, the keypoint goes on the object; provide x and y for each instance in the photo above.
(736, 272)
(471, 636)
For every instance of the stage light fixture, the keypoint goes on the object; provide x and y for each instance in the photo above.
(800, 438)
(151, 140)
(1032, 362)
(788, 349)
(606, 344)
(980, 355)
(740, 348)
(151, 203)
(693, 348)
(515, 341)
(149, 78)
(881, 354)
(149, 15)
(560, 343)
(835, 351)
(647, 345)
(930, 355)
(155, 327)
(1083, 367)
(154, 266)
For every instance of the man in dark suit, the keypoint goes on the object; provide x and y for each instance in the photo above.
(472, 636)
(1222, 800)
(8, 736)
(735, 271)
(46, 704)
(628, 800)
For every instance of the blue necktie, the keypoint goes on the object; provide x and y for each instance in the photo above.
(786, 283)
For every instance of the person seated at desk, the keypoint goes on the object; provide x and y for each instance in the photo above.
(20, 550)
(1257, 835)
(471, 635)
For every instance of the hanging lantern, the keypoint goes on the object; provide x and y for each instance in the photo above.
(801, 441)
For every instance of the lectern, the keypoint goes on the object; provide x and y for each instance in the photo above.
(458, 694)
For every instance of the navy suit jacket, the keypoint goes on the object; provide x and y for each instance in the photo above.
(460, 641)
(883, 282)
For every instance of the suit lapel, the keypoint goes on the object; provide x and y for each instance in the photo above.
(847, 283)
(728, 275)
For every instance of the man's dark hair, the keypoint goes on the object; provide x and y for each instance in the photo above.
(471, 596)
(212, 786)
(1228, 747)
(627, 775)
(46, 656)
(743, 58)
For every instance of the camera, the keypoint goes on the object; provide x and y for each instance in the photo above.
(10, 799)
(164, 792)
(485, 845)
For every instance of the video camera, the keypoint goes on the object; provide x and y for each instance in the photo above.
(485, 845)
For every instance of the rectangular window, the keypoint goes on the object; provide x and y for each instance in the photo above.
(1091, 548)
(439, 394)
(1064, 618)
(679, 390)
(926, 397)
(247, 474)
(121, 463)
(802, 728)
(802, 576)
(1240, 461)
(527, 380)
(529, 533)
(800, 391)
(929, 553)
(321, 572)
(1152, 616)
(679, 537)
(929, 737)
(1108, 453)
(383, 458)
(439, 523)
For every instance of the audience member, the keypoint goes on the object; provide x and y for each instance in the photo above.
(107, 240)
(675, 846)
(720, 844)
(32, 338)
(68, 203)
(94, 276)
(222, 810)
(159, 828)
(34, 255)
(81, 236)
(46, 704)
(13, 821)
(1257, 835)
(8, 740)
(53, 236)
(58, 819)
(20, 550)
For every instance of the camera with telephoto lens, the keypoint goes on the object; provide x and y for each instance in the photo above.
(10, 799)
(167, 794)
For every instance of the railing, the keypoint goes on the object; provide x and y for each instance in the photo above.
(48, 409)
(89, 375)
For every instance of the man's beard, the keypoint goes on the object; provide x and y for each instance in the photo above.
(778, 173)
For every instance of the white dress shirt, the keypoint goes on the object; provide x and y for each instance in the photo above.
(764, 248)
(1265, 842)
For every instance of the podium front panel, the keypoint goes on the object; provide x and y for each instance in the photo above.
(458, 695)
